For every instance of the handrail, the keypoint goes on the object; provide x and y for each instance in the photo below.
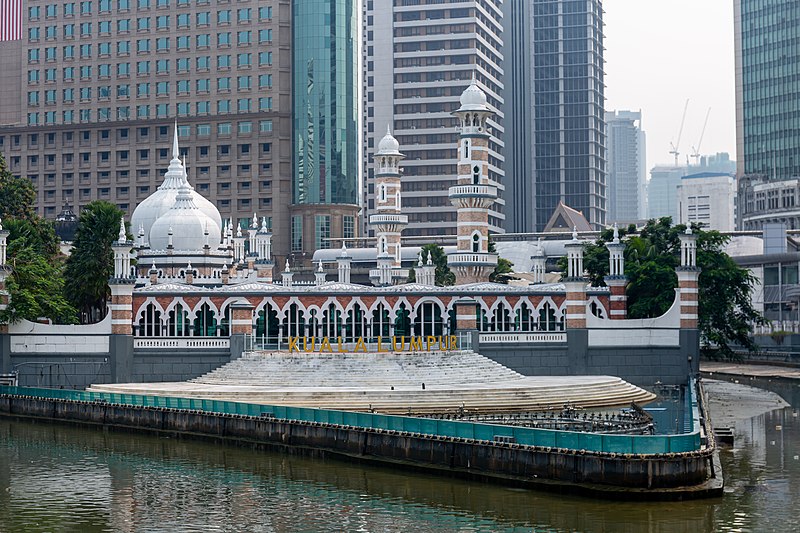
(547, 438)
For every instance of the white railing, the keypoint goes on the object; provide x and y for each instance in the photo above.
(473, 190)
(501, 338)
(388, 218)
(469, 257)
(183, 342)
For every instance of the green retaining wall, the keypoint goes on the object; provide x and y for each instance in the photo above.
(571, 440)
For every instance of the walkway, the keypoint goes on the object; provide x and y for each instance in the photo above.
(759, 371)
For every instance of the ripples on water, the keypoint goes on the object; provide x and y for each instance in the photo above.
(62, 478)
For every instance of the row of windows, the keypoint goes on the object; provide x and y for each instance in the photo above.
(223, 16)
(183, 42)
(145, 68)
(103, 114)
(143, 133)
(143, 90)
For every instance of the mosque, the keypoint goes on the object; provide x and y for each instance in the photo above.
(192, 280)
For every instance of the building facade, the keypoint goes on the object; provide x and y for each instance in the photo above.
(326, 181)
(627, 178)
(562, 106)
(709, 199)
(417, 59)
(767, 52)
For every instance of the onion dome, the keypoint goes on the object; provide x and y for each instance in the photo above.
(184, 225)
(473, 98)
(388, 145)
(158, 203)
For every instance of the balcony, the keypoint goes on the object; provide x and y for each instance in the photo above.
(473, 191)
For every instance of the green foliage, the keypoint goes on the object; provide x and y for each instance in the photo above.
(35, 287)
(444, 276)
(91, 262)
(726, 313)
(17, 195)
(504, 267)
(35, 233)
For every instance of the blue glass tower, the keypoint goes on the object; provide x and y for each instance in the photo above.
(324, 122)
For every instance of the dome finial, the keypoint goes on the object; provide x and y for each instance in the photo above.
(122, 236)
(388, 129)
(175, 151)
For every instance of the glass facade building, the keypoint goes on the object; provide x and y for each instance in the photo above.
(767, 41)
(325, 119)
(564, 91)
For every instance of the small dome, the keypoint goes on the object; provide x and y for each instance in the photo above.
(388, 145)
(473, 98)
(187, 223)
(158, 203)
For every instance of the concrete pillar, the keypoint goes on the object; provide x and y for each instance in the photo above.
(241, 317)
(466, 314)
(121, 306)
(616, 280)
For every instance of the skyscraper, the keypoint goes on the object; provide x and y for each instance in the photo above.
(90, 90)
(325, 191)
(418, 59)
(627, 179)
(559, 71)
(767, 52)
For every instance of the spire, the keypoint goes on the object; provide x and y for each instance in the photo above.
(344, 249)
(175, 151)
(616, 233)
(574, 233)
(122, 236)
(319, 268)
(388, 129)
(287, 269)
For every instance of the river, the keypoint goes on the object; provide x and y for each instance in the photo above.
(65, 478)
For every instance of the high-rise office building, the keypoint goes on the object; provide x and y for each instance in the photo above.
(418, 59)
(767, 52)
(326, 183)
(627, 178)
(557, 93)
(91, 88)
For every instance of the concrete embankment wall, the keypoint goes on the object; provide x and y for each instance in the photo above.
(652, 476)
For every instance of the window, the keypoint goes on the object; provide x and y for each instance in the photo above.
(202, 86)
(162, 88)
(223, 106)
(265, 104)
(162, 22)
(142, 111)
(245, 127)
(183, 108)
(162, 66)
(203, 108)
(33, 12)
(243, 37)
(243, 83)
(182, 63)
(224, 16)
(183, 43)
(123, 69)
(68, 95)
(224, 39)
(104, 27)
(162, 44)
(104, 49)
(264, 36)
(162, 110)
(183, 20)
(123, 25)
(69, 31)
(183, 86)
(348, 227)
(297, 233)
(264, 59)
(243, 105)
(265, 81)
(265, 126)
(224, 128)
(33, 98)
(86, 8)
(68, 52)
(142, 68)
(51, 11)
(143, 24)
(224, 61)
(243, 60)
(203, 18)
(223, 84)
(86, 29)
(86, 93)
(243, 15)
(265, 13)
(123, 91)
(142, 46)
(69, 9)
(203, 130)
(104, 70)
(203, 62)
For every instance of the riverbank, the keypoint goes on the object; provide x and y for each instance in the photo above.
(730, 402)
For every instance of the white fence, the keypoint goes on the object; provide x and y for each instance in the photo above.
(501, 338)
(183, 342)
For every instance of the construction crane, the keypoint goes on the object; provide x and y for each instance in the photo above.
(677, 143)
(696, 150)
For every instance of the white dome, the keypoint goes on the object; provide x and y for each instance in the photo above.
(158, 203)
(473, 98)
(388, 145)
(188, 224)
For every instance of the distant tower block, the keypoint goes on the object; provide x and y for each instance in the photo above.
(473, 195)
(388, 221)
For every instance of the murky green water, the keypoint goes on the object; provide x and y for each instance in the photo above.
(62, 478)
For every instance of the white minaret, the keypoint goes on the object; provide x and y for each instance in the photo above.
(388, 221)
(474, 194)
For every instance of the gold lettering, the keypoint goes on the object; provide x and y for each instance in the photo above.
(380, 345)
(416, 344)
(305, 346)
(428, 340)
(360, 345)
(453, 343)
(441, 347)
(325, 342)
(339, 341)
(313, 343)
(293, 344)
(402, 344)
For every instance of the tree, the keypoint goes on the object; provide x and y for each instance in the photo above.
(17, 195)
(91, 262)
(726, 313)
(501, 273)
(444, 276)
(35, 287)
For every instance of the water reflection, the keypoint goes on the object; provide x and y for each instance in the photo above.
(61, 478)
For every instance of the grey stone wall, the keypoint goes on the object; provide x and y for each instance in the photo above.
(642, 366)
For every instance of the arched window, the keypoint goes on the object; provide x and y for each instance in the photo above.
(382, 192)
(178, 324)
(466, 149)
(150, 323)
(476, 175)
(205, 323)
(476, 242)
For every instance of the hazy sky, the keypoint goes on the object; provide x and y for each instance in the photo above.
(658, 54)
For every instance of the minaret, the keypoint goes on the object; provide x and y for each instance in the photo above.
(539, 263)
(575, 284)
(4, 273)
(121, 284)
(616, 279)
(388, 221)
(263, 241)
(688, 280)
(474, 194)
